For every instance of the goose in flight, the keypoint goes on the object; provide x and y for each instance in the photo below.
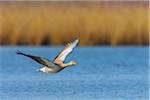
(58, 63)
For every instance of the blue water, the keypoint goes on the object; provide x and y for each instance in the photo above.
(102, 73)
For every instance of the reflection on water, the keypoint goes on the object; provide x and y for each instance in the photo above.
(102, 73)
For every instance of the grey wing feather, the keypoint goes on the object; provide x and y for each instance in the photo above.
(38, 59)
(65, 52)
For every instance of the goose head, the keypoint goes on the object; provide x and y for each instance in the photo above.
(72, 63)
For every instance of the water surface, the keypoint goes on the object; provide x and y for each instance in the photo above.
(102, 73)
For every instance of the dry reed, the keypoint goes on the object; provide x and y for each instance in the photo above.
(40, 24)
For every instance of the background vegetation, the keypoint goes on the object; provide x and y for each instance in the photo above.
(54, 23)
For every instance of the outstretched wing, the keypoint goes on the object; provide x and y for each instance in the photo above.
(40, 60)
(59, 59)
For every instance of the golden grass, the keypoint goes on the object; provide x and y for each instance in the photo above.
(38, 24)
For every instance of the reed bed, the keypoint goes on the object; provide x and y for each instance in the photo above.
(48, 24)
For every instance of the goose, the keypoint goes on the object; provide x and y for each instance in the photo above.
(58, 63)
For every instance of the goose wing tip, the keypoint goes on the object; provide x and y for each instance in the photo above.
(76, 40)
(18, 52)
